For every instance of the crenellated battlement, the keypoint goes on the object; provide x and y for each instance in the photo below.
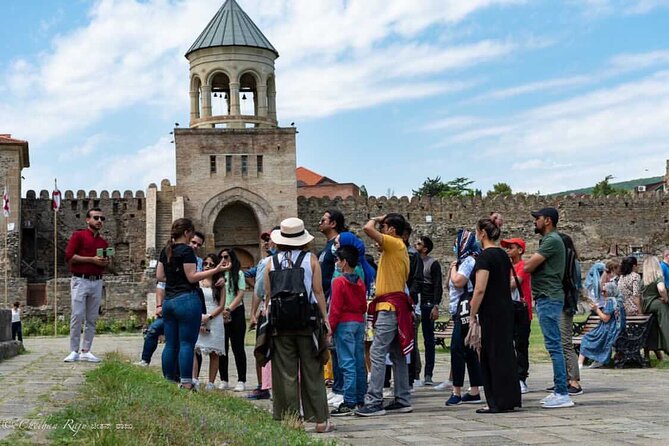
(659, 198)
(90, 195)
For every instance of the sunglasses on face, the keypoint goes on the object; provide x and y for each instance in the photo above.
(225, 257)
(208, 264)
(98, 218)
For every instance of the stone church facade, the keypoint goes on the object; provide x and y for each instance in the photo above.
(235, 178)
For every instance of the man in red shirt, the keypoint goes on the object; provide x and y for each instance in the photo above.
(87, 266)
(515, 248)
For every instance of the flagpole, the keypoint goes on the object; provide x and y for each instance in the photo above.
(6, 258)
(55, 272)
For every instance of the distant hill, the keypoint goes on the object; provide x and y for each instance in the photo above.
(626, 185)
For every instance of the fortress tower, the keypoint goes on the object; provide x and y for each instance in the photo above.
(235, 168)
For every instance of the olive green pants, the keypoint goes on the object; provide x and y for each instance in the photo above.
(293, 353)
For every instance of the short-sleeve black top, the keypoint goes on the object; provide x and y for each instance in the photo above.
(497, 293)
(177, 282)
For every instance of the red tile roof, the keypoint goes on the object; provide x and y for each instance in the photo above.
(308, 177)
(6, 138)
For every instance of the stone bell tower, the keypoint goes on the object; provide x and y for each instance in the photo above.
(235, 168)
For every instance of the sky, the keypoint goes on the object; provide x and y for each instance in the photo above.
(543, 95)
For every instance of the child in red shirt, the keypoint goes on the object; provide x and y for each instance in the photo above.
(348, 305)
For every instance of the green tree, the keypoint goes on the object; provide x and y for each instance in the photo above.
(434, 187)
(502, 189)
(603, 188)
(363, 191)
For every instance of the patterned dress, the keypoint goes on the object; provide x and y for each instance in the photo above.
(213, 340)
(597, 344)
(630, 287)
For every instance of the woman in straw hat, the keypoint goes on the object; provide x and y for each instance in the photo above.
(296, 350)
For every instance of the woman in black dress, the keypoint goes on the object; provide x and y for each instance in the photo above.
(492, 303)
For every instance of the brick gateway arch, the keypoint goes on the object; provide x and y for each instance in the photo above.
(236, 226)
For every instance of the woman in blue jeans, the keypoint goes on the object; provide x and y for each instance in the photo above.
(181, 308)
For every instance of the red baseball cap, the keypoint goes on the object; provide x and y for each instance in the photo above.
(513, 241)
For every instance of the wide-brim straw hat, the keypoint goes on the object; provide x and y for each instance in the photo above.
(291, 233)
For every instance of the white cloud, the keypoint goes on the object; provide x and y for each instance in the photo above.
(620, 130)
(150, 164)
(84, 149)
(334, 56)
(630, 7)
(618, 65)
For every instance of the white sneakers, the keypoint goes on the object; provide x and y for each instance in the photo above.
(523, 387)
(555, 401)
(336, 400)
(72, 357)
(443, 386)
(209, 386)
(141, 363)
(88, 356)
(240, 387)
(418, 383)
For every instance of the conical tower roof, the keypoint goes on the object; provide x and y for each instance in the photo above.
(231, 27)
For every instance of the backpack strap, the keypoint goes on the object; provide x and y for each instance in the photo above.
(515, 276)
(300, 259)
(275, 261)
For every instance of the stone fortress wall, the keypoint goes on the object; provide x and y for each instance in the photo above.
(599, 226)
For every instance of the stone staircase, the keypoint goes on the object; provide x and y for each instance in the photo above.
(163, 218)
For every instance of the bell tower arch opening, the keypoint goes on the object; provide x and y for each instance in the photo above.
(237, 227)
(220, 91)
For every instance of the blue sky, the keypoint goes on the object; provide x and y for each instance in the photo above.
(543, 95)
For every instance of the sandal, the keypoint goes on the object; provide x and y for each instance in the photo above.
(324, 428)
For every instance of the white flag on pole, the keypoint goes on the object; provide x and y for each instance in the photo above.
(5, 203)
(55, 197)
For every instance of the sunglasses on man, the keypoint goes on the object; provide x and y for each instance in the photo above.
(98, 218)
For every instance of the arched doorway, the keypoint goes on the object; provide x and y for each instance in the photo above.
(236, 226)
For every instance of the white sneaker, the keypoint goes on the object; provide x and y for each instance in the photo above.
(417, 383)
(224, 385)
(443, 386)
(141, 363)
(72, 357)
(336, 400)
(523, 387)
(388, 393)
(88, 356)
(210, 386)
(558, 401)
(240, 387)
(330, 395)
(548, 398)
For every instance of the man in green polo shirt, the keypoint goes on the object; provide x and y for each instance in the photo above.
(547, 269)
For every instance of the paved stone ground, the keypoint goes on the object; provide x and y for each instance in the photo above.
(619, 406)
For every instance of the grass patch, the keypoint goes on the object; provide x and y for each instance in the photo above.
(125, 405)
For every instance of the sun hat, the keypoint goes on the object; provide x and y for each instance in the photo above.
(291, 232)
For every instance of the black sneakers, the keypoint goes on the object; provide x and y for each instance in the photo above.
(396, 407)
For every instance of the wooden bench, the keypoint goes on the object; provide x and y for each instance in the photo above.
(629, 343)
(443, 330)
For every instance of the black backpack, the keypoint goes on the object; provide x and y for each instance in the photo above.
(290, 308)
(571, 291)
